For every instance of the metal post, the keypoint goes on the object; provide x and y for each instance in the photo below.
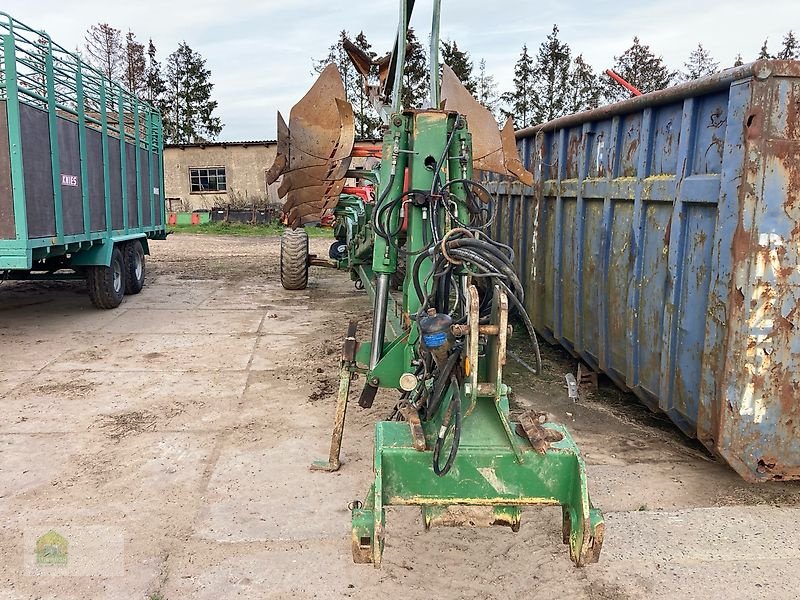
(379, 319)
(400, 48)
(434, 55)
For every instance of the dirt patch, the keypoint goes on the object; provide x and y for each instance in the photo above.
(129, 423)
(71, 388)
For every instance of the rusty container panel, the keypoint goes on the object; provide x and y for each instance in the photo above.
(660, 243)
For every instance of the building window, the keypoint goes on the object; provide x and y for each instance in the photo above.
(207, 179)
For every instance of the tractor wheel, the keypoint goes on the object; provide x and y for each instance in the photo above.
(107, 284)
(294, 259)
(134, 267)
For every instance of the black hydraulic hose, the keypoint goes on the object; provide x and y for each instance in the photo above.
(441, 382)
(451, 417)
(528, 325)
(507, 271)
(441, 160)
(378, 204)
(495, 249)
(468, 183)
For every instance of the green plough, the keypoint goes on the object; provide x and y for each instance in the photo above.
(442, 293)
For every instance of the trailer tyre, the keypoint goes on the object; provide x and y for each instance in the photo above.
(134, 267)
(107, 284)
(294, 259)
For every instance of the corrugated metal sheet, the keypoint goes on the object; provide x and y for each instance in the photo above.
(661, 244)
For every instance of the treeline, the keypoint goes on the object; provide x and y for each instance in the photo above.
(552, 83)
(181, 89)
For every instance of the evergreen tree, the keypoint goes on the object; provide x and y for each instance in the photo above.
(486, 88)
(154, 87)
(764, 53)
(189, 115)
(104, 49)
(639, 66)
(551, 78)
(366, 117)
(134, 65)
(521, 101)
(583, 89)
(790, 49)
(739, 61)
(700, 63)
(415, 74)
(338, 56)
(367, 120)
(461, 64)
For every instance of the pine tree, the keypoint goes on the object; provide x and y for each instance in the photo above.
(460, 62)
(338, 56)
(104, 49)
(366, 117)
(551, 78)
(739, 61)
(486, 88)
(583, 90)
(700, 63)
(790, 49)
(639, 66)
(415, 74)
(155, 87)
(189, 115)
(521, 101)
(367, 120)
(764, 53)
(134, 65)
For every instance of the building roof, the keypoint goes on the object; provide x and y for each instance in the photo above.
(223, 144)
(246, 143)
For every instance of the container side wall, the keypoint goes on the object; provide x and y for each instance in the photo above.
(759, 433)
(97, 200)
(130, 182)
(662, 247)
(144, 176)
(39, 204)
(7, 223)
(70, 166)
(115, 177)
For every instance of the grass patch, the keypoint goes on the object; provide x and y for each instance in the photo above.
(245, 230)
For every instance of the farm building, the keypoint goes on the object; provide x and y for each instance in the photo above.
(223, 174)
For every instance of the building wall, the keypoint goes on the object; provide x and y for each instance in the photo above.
(245, 165)
(245, 172)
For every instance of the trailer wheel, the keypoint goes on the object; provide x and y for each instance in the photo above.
(107, 284)
(134, 267)
(294, 259)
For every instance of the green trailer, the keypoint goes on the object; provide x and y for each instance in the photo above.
(81, 170)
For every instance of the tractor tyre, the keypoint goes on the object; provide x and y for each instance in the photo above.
(134, 267)
(107, 284)
(294, 259)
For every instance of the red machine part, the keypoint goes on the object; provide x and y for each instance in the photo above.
(618, 78)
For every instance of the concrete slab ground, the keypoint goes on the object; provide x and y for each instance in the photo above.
(169, 441)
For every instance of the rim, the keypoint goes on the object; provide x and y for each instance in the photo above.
(117, 276)
(138, 267)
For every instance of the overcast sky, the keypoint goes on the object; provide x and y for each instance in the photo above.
(260, 52)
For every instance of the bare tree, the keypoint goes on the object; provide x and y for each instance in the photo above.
(104, 49)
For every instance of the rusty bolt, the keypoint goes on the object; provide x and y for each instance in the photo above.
(459, 330)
